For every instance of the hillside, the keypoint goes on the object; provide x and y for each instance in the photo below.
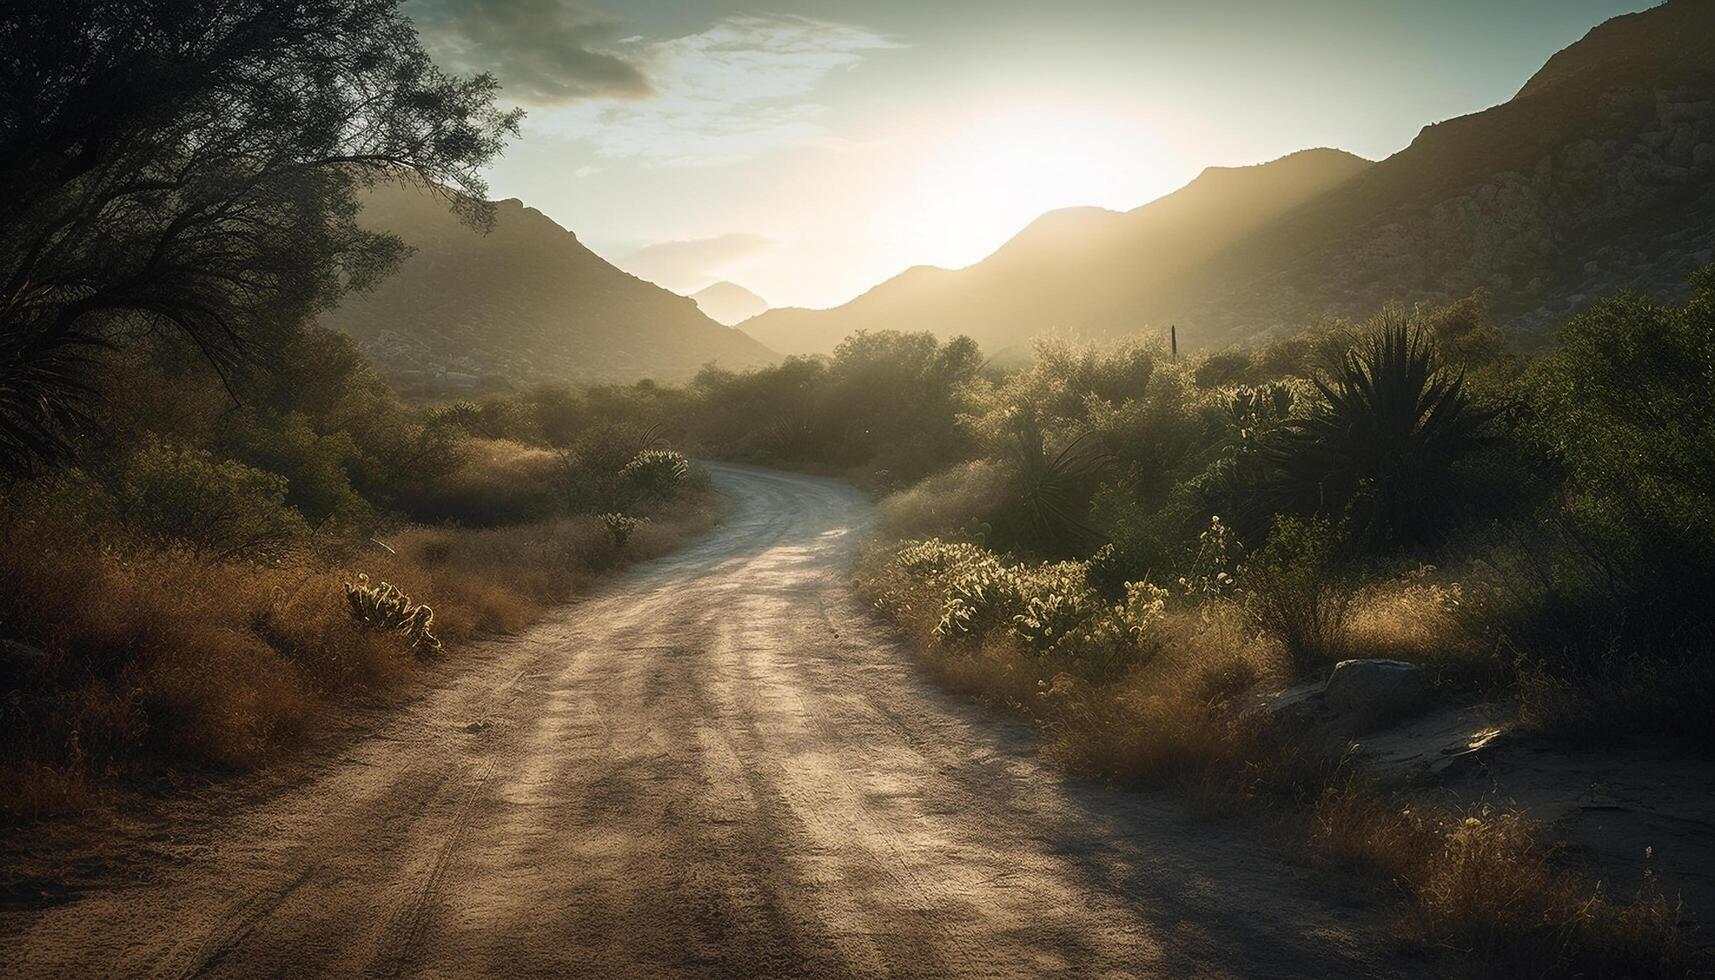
(1598, 175)
(729, 303)
(525, 303)
(1079, 270)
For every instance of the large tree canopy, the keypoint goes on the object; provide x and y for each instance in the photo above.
(193, 165)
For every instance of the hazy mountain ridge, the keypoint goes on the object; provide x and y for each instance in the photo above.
(1078, 270)
(525, 303)
(729, 303)
(1598, 175)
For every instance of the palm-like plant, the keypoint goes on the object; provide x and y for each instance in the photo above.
(1051, 489)
(1379, 444)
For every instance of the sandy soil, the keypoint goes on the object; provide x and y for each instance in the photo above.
(713, 766)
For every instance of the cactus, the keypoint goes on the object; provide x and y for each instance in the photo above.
(620, 526)
(386, 608)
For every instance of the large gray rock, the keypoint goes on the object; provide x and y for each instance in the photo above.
(1366, 694)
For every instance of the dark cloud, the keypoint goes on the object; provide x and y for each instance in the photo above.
(545, 52)
(693, 263)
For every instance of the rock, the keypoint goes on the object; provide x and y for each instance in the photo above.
(1298, 705)
(1366, 694)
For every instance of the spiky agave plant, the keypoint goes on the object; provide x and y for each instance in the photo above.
(1051, 489)
(1379, 444)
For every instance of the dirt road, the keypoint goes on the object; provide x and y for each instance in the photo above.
(711, 767)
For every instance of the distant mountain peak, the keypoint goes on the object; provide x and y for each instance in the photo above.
(1598, 176)
(729, 303)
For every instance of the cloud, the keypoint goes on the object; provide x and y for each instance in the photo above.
(691, 264)
(722, 95)
(545, 52)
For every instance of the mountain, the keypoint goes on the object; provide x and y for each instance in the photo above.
(1599, 174)
(1079, 270)
(522, 304)
(729, 303)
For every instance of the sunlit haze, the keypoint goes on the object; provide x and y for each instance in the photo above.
(809, 150)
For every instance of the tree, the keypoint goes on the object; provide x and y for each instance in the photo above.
(192, 166)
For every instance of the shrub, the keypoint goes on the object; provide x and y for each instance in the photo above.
(655, 474)
(216, 509)
(594, 468)
(1293, 591)
(1623, 409)
(620, 527)
(496, 482)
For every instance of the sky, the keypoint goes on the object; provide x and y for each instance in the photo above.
(809, 149)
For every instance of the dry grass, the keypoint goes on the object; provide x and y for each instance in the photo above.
(1482, 883)
(1421, 618)
(1479, 883)
(1182, 718)
(498, 481)
(1661, 693)
(953, 498)
(161, 659)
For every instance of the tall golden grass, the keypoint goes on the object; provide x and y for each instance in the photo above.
(159, 658)
(1189, 717)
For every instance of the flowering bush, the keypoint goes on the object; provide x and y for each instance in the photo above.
(620, 526)
(1051, 609)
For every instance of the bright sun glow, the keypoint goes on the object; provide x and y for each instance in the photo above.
(984, 182)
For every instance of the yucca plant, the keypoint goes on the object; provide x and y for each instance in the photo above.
(1051, 489)
(44, 399)
(656, 473)
(1379, 445)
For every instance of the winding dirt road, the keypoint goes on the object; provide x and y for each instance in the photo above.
(710, 767)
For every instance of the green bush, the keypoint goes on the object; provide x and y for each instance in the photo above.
(175, 496)
(1293, 590)
(656, 474)
(1624, 411)
(316, 466)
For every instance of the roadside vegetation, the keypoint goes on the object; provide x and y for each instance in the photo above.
(217, 523)
(201, 587)
(1138, 552)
